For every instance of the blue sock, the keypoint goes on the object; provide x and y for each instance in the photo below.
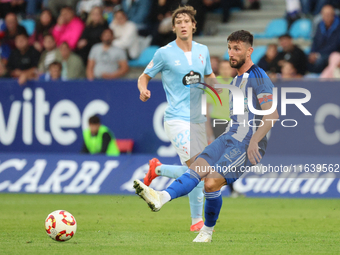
(196, 198)
(184, 184)
(213, 204)
(172, 171)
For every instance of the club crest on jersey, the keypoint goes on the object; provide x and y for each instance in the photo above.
(150, 65)
(234, 153)
(191, 78)
(201, 58)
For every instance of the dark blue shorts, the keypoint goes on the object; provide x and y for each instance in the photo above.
(228, 157)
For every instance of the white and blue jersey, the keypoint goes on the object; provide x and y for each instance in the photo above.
(242, 127)
(228, 153)
(179, 70)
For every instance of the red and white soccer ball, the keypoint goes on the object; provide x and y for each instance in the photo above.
(60, 225)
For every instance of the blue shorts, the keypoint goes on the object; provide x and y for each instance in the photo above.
(227, 156)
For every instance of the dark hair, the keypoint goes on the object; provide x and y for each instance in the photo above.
(40, 28)
(48, 34)
(67, 7)
(188, 10)
(55, 63)
(285, 36)
(241, 36)
(66, 43)
(94, 120)
(109, 29)
(118, 8)
(24, 33)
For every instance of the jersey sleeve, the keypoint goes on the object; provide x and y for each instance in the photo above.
(156, 65)
(262, 85)
(208, 69)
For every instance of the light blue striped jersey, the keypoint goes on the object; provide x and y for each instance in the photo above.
(179, 77)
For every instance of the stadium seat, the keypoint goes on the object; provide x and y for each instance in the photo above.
(301, 28)
(275, 28)
(144, 58)
(226, 55)
(307, 50)
(258, 53)
(29, 24)
(125, 145)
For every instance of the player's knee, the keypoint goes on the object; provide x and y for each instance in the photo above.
(210, 185)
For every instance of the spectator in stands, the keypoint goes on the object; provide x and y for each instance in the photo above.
(44, 25)
(68, 29)
(53, 73)
(289, 71)
(34, 6)
(332, 71)
(99, 139)
(3, 71)
(12, 29)
(57, 5)
(84, 7)
(226, 6)
(215, 64)
(95, 25)
(49, 55)
(14, 6)
(267, 61)
(293, 11)
(312, 7)
(126, 34)
(5, 50)
(23, 61)
(137, 11)
(72, 64)
(254, 5)
(160, 13)
(5, 7)
(291, 53)
(108, 9)
(105, 60)
(326, 40)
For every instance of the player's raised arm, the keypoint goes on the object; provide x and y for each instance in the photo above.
(143, 82)
(268, 122)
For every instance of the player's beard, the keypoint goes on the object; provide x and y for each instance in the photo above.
(238, 64)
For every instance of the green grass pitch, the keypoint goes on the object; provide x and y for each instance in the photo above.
(125, 225)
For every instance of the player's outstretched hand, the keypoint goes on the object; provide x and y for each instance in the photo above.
(145, 95)
(254, 155)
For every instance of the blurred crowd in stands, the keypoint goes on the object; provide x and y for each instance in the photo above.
(288, 61)
(95, 39)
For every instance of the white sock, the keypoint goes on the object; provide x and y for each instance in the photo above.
(164, 197)
(195, 220)
(208, 229)
(158, 170)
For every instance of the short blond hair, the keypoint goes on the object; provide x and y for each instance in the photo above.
(188, 10)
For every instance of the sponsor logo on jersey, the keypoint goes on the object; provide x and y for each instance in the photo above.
(192, 78)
